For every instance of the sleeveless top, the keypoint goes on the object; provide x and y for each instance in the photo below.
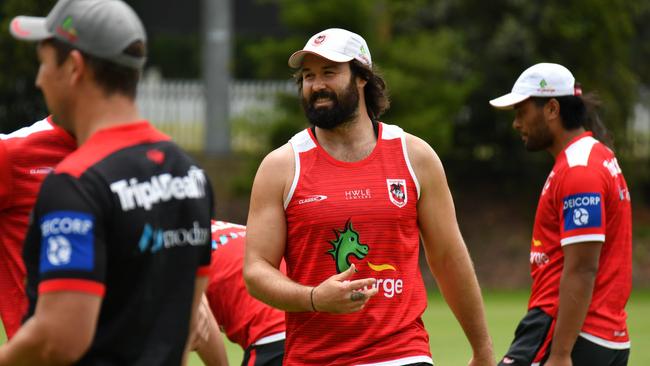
(363, 212)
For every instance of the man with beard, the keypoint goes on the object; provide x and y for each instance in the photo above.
(581, 250)
(345, 202)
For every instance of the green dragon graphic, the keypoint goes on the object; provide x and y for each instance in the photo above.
(346, 244)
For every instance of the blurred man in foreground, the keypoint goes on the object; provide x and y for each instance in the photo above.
(117, 252)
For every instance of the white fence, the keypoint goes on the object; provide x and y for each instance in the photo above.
(177, 107)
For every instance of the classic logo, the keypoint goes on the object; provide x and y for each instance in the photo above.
(347, 243)
(397, 191)
(160, 188)
(312, 198)
(41, 171)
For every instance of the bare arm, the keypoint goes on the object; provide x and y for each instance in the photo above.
(59, 333)
(576, 288)
(265, 244)
(445, 250)
(207, 339)
(199, 287)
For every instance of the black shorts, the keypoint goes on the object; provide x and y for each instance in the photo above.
(270, 354)
(532, 345)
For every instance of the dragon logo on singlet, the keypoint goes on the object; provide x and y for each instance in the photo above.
(347, 243)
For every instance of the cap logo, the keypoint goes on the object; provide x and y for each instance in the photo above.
(67, 30)
(320, 39)
(15, 26)
(543, 84)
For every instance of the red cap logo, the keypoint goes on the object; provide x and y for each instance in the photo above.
(320, 39)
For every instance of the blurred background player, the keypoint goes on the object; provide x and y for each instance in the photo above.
(118, 249)
(581, 250)
(26, 157)
(258, 328)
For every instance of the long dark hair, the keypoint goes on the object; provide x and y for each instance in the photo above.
(582, 111)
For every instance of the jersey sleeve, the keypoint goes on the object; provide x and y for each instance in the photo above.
(6, 179)
(581, 199)
(72, 238)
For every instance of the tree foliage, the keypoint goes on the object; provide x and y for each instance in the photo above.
(20, 101)
(445, 59)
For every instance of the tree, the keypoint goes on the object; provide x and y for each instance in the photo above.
(20, 102)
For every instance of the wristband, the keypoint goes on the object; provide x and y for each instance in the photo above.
(311, 297)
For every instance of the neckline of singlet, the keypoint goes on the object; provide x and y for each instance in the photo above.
(331, 159)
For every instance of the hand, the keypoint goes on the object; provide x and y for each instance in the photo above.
(339, 295)
(559, 361)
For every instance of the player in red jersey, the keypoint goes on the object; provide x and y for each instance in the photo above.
(581, 250)
(345, 203)
(117, 251)
(26, 157)
(258, 328)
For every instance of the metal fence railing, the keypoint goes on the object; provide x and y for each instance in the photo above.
(177, 107)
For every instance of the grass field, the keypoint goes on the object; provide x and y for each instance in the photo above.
(504, 310)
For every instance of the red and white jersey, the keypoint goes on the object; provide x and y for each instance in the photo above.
(244, 319)
(586, 199)
(365, 213)
(26, 157)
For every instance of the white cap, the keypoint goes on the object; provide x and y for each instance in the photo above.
(540, 80)
(334, 44)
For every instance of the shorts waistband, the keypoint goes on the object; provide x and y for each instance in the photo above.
(270, 339)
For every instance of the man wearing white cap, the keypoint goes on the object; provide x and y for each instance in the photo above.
(118, 249)
(581, 249)
(345, 202)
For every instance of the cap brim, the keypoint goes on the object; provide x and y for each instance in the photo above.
(295, 60)
(508, 101)
(29, 28)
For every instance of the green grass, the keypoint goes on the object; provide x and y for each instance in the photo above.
(504, 310)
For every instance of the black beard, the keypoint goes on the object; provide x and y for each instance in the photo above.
(342, 110)
(540, 139)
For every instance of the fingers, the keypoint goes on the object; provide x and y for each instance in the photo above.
(346, 274)
(338, 294)
(359, 284)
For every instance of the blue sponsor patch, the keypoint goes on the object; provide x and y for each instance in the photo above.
(67, 241)
(582, 211)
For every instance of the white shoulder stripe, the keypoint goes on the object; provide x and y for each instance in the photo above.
(582, 239)
(578, 153)
(300, 142)
(390, 132)
(42, 125)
